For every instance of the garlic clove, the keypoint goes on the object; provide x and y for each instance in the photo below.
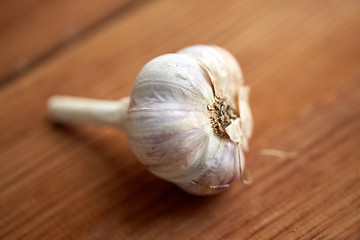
(167, 121)
(223, 69)
(172, 77)
(220, 170)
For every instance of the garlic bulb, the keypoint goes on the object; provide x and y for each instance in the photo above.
(188, 119)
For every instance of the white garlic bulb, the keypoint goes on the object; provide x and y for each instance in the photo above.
(188, 120)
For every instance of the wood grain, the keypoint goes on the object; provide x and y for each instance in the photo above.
(32, 30)
(301, 59)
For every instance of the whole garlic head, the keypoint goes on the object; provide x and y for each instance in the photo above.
(189, 120)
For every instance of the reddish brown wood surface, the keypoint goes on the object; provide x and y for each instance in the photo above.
(302, 61)
(33, 30)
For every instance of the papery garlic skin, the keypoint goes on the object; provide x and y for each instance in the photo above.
(188, 119)
(169, 125)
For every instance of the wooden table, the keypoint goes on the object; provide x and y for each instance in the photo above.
(301, 59)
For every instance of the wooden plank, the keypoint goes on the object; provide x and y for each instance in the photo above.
(32, 30)
(82, 182)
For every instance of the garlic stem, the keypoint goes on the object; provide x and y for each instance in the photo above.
(64, 109)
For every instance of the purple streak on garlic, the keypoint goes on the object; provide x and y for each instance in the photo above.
(188, 120)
